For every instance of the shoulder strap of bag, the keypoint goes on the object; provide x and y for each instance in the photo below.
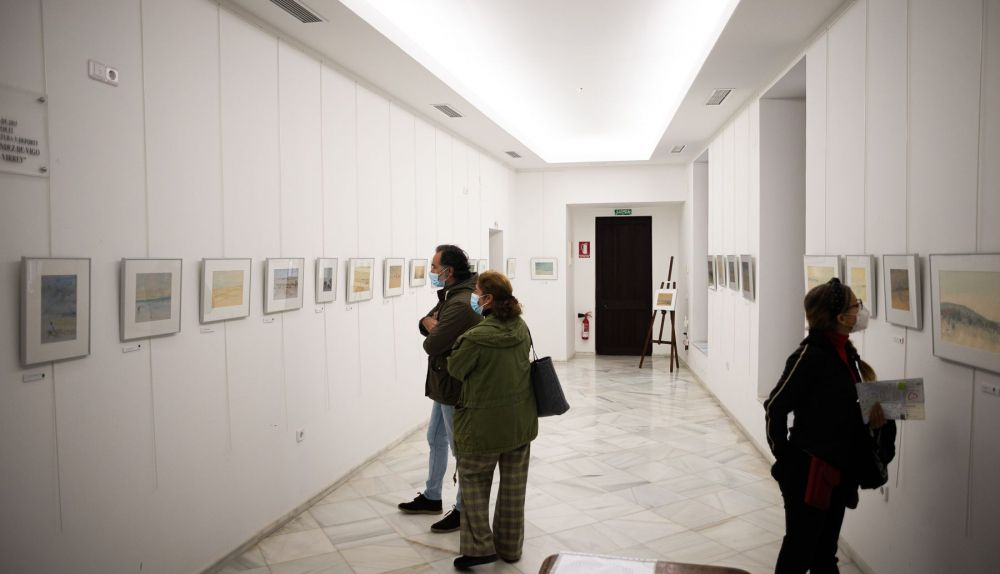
(532, 342)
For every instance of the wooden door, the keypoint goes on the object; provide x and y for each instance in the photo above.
(624, 284)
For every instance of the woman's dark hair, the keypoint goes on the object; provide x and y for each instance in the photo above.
(824, 302)
(505, 305)
(453, 256)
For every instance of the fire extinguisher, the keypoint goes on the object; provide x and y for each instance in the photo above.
(585, 334)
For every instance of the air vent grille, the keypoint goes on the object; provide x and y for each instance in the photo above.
(678, 148)
(447, 110)
(300, 12)
(717, 96)
(513, 154)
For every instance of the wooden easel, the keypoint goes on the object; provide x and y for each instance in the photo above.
(674, 355)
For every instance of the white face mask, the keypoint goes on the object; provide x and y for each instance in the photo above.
(862, 323)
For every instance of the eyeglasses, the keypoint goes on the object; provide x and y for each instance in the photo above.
(860, 305)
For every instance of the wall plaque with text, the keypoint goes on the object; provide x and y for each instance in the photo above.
(24, 145)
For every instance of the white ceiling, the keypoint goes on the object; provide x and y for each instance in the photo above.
(537, 55)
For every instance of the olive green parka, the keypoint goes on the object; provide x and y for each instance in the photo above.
(496, 411)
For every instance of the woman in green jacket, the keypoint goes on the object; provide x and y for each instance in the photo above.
(495, 422)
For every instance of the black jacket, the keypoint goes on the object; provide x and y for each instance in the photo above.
(455, 317)
(818, 388)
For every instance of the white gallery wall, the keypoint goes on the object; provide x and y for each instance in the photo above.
(666, 239)
(540, 210)
(902, 137)
(220, 141)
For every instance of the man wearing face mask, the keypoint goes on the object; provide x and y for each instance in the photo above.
(830, 451)
(442, 326)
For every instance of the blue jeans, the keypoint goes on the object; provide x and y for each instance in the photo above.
(440, 436)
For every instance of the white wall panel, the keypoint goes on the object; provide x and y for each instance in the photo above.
(375, 239)
(28, 459)
(816, 146)
(989, 185)
(251, 195)
(107, 459)
(185, 212)
(340, 208)
(845, 176)
(446, 212)
(302, 231)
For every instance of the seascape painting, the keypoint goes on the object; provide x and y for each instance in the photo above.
(286, 283)
(857, 278)
(419, 271)
(153, 293)
(970, 309)
(544, 268)
(899, 286)
(664, 299)
(58, 314)
(227, 288)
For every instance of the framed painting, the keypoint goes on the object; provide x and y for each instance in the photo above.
(418, 272)
(665, 300)
(55, 309)
(901, 285)
(711, 273)
(544, 268)
(733, 271)
(818, 269)
(360, 277)
(150, 298)
(326, 279)
(747, 277)
(720, 271)
(225, 289)
(965, 309)
(859, 275)
(283, 284)
(511, 268)
(392, 277)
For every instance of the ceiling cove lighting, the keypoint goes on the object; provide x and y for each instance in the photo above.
(522, 63)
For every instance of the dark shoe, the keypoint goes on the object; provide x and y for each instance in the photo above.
(510, 560)
(450, 523)
(421, 505)
(466, 562)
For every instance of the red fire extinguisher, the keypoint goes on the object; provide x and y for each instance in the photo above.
(585, 334)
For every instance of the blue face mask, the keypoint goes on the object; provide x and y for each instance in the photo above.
(436, 280)
(474, 300)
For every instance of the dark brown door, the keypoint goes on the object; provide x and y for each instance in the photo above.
(624, 261)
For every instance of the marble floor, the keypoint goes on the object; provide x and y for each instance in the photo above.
(644, 464)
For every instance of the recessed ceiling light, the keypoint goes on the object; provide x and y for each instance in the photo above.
(636, 59)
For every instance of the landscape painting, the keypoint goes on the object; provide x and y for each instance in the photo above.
(58, 308)
(362, 279)
(859, 275)
(543, 268)
(395, 277)
(899, 289)
(664, 300)
(152, 296)
(819, 269)
(227, 288)
(286, 283)
(902, 290)
(970, 309)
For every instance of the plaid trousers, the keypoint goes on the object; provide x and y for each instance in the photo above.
(476, 473)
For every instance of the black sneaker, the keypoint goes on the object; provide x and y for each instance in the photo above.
(466, 562)
(450, 523)
(421, 505)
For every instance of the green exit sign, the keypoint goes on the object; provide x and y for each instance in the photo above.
(623, 212)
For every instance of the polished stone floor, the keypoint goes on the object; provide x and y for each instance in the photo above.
(645, 464)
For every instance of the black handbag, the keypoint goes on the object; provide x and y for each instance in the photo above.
(549, 397)
(874, 458)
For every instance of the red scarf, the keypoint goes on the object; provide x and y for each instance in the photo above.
(840, 345)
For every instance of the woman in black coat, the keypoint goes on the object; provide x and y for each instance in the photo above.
(829, 451)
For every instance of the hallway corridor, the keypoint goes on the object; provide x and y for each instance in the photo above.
(645, 464)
